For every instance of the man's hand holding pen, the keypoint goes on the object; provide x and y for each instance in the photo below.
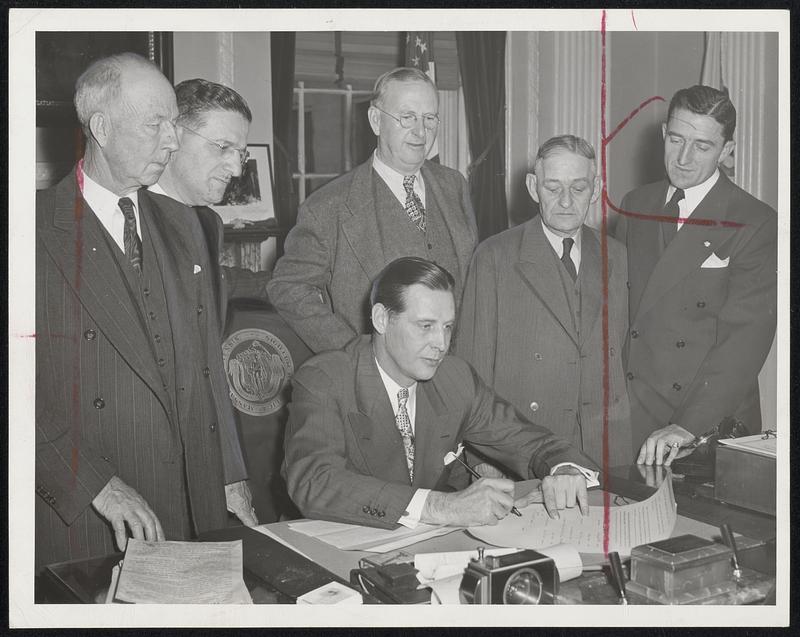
(665, 445)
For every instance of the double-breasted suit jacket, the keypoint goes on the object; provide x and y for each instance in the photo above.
(321, 284)
(345, 459)
(543, 351)
(104, 404)
(702, 309)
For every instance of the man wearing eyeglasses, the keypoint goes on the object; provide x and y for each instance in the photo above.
(395, 204)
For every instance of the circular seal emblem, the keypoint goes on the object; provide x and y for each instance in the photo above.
(258, 366)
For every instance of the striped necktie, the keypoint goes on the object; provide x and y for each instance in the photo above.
(414, 207)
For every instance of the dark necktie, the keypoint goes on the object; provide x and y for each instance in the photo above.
(567, 260)
(403, 423)
(672, 209)
(414, 207)
(133, 244)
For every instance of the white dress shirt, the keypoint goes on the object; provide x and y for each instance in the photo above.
(105, 205)
(558, 245)
(394, 180)
(413, 511)
(692, 196)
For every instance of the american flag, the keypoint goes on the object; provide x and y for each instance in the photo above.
(419, 54)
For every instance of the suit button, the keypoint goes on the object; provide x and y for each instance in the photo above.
(534, 406)
(628, 283)
(99, 403)
(537, 356)
(680, 343)
(212, 427)
(611, 351)
(152, 316)
(206, 372)
(106, 458)
(634, 334)
(157, 338)
(701, 304)
(629, 375)
(430, 246)
(146, 291)
(365, 509)
(381, 514)
(200, 309)
(161, 362)
(676, 386)
(89, 335)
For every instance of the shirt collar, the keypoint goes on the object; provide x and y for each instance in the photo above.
(102, 200)
(558, 242)
(392, 387)
(694, 195)
(394, 179)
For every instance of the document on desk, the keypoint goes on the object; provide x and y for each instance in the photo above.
(354, 537)
(631, 525)
(182, 573)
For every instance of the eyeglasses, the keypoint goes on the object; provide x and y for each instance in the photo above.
(224, 149)
(409, 120)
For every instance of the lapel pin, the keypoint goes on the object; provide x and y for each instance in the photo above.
(197, 268)
(706, 243)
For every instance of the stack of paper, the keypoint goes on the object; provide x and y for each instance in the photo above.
(754, 444)
(353, 537)
(181, 573)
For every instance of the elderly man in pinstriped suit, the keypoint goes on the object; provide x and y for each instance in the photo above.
(133, 426)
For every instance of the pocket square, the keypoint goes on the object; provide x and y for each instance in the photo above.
(197, 268)
(714, 261)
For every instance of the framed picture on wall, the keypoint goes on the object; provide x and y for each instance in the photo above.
(250, 197)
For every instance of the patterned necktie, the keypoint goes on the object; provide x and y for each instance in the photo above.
(404, 426)
(567, 260)
(672, 209)
(414, 207)
(133, 244)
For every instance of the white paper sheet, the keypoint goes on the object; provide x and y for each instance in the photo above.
(353, 537)
(631, 525)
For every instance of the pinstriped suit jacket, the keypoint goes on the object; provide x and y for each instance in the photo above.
(516, 329)
(101, 408)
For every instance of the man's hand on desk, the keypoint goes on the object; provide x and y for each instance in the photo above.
(665, 445)
(239, 501)
(120, 505)
(563, 489)
(485, 501)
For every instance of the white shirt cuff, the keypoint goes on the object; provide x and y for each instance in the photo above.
(591, 476)
(413, 512)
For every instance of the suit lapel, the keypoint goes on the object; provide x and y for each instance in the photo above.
(79, 248)
(374, 424)
(434, 435)
(645, 245)
(538, 268)
(591, 280)
(361, 225)
(462, 233)
(692, 245)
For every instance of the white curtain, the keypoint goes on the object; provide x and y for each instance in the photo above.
(452, 139)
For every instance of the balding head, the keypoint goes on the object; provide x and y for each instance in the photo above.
(127, 110)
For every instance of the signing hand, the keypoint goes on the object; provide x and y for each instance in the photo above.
(120, 505)
(239, 501)
(485, 501)
(563, 489)
(664, 445)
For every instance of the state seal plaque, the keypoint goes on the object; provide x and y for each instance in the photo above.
(258, 366)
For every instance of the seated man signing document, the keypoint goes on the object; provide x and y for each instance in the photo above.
(370, 425)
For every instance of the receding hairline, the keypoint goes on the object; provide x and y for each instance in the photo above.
(566, 151)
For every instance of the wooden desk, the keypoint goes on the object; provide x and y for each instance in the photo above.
(271, 579)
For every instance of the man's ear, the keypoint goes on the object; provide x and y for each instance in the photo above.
(598, 188)
(530, 182)
(374, 116)
(380, 317)
(664, 130)
(727, 149)
(100, 128)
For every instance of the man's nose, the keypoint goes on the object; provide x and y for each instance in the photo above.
(565, 199)
(441, 339)
(233, 163)
(686, 154)
(171, 137)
